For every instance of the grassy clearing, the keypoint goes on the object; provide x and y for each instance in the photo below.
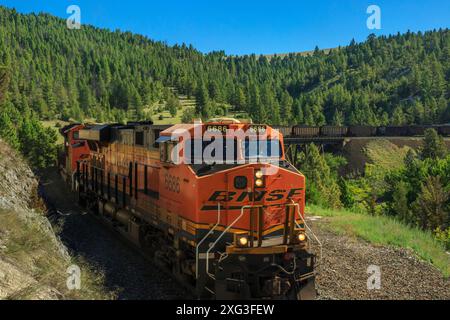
(167, 118)
(37, 260)
(386, 154)
(383, 230)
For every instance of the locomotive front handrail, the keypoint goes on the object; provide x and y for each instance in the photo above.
(296, 205)
(221, 235)
(293, 204)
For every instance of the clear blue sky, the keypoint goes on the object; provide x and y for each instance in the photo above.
(250, 26)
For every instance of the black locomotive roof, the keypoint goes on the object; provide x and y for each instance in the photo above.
(68, 127)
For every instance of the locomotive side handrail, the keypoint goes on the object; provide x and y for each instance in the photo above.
(204, 238)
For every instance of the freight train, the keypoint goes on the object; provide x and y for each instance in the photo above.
(361, 131)
(231, 229)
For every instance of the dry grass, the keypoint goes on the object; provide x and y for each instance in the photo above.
(33, 263)
(39, 267)
(386, 154)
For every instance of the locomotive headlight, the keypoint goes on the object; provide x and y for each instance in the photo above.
(259, 183)
(301, 237)
(258, 174)
(241, 240)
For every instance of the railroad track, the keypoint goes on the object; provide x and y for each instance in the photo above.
(149, 257)
(127, 270)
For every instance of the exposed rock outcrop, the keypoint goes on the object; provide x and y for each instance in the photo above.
(23, 226)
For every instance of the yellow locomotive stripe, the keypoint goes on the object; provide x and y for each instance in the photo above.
(272, 229)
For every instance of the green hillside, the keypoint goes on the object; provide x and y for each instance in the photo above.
(96, 73)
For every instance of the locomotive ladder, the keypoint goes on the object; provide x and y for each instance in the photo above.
(224, 232)
(308, 229)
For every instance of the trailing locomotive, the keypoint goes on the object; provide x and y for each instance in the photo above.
(216, 203)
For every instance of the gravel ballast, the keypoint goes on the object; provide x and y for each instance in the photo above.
(343, 274)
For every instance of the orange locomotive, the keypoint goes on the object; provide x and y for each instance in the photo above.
(231, 229)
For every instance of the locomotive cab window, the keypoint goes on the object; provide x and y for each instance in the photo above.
(163, 151)
(200, 151)
(166, 152)
(262, 149)
(139, 138)
(93, 146)
(156, 135)
(166, 146)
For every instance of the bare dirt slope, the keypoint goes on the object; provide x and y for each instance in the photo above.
(343, 273)
(355, 151)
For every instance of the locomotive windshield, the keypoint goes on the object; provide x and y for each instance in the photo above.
(262, 149)
(232, 152)
(202, 151)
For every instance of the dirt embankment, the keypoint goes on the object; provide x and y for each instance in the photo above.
(356, 151)
(33, 261)
(343, 274)
(18, 204)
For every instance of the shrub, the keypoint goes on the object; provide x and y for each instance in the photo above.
(443, 237)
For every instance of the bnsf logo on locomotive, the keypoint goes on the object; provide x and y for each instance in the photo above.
(275, 195)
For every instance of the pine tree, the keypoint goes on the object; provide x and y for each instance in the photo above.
(240, 99)
(256, 110)
(188, 115)
(433, 145)
(203, 106)
(398, 117)
(135, 105)
(400, 207)
(430, 206)
(4, 82)
(338, 118)
(173, 104)
(298, 113)
(8, 130)
(271, 107)
(286, 108)
(323, 188)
